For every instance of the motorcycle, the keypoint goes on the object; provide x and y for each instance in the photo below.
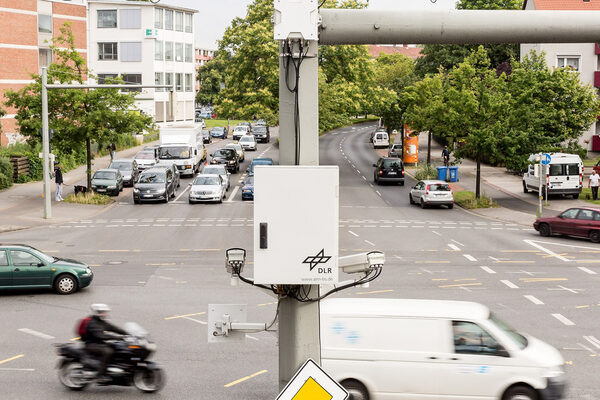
(129, 364)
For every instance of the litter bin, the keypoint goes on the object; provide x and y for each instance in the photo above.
(453, 174)
(442, 173)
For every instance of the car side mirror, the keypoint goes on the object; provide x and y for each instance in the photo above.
(40, 264)
(210, 155)
(560, 216)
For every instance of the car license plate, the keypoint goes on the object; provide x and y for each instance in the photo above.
(392, 173)
(146, 195)
(100, 190)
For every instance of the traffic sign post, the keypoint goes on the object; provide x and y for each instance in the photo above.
(312, 383)
(546, 159)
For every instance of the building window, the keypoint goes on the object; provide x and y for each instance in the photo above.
(44, 57)
(131, 51)
(189, 21)
(169, 51)
(159, 80)
(131, 19)
(158, 50)
(188, 82)
(106, 78)
(188, 53)
(44, 23)
(107, 51)
(158, 18)
(107, 18)
(178, 51)
(179, 82)
(179, 21)
(169, 80)
(571, 62)
(132, 79)
(169, 19)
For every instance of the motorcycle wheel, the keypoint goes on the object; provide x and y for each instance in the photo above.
(149, 380)
(71, 376)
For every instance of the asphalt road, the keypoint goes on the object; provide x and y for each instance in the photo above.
(161, 265)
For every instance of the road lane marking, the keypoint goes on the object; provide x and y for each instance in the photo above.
(376, 291)
(114, 251)
(469, 257)
(377, 191)
(454, 247)
(519, 251)
(595, 342)
(160, 264)
(509, 284)
(533, 299)
(457, 242)
(460, 285)
(368, 242)
(496, 261)
(543, 279)
(432, 262)
(563, 319)
(196, 320)
(488, 270)
(545, 250)
(18, 369)
(587, 261)
(245, 378)
(232, 195)
(587, 271)
(11, 359)
(185, 315)
(566, 289)
(36, 333)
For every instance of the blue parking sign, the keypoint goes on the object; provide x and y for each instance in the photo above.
(546, 159)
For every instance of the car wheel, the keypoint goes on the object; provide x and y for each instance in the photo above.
(576, 196)
(595, 236)
(545, 230)
(356, 390)
(401, 183)
(520, 393)
(410, 199)
(423, 204)
(525, 190)
(136, 201)
(450, 206)
(191, 202)
(65, 284)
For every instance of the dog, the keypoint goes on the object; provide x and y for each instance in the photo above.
(80, 189)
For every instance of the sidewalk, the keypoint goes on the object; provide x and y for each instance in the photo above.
(22, 205)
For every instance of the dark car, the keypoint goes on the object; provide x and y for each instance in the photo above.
(248, 188)
(206, 136)
(219, 132)
(227, 157)
(389, 169)
(173, 167)
(597, 167)
(154, 184)
(23, 266)
(395, 151)
(262, 134)
(580, 222)
(129, 170)
(258, 161)
(108, 181)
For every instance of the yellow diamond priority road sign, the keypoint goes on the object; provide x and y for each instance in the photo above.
(312, 383)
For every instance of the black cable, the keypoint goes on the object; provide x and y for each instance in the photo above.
(323, 2)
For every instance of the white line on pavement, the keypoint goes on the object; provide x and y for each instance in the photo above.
(182, 193)
(36, 333)
(371, 243)
(252, 337)
(352, 233)
(196, 320)
(437, 233)
(469, 257)
(595, 342)
(563, 319)
(18, 369)
(488, 270)
(533, 299)
(457, 242)
(509, 284)
(232, 195)
(545, 250)
(377, 191)
(586, 348)
(587, 271)
(454, 247)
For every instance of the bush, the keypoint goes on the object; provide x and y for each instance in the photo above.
(426, 172)
(467, 200)
(6, 168)
(23, 178)
(88, 198)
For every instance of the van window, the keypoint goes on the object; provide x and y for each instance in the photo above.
(379, 136)
(572, 169)
(470, 338)
(556, 169)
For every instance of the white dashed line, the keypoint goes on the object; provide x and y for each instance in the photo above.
(509, 284)
(352, 233)
(488, 270)
(36, 333)
(454, 247)
(377, 191)
(233, 193)
(533, 299)
(587, 271)
(595, 342)
(563, 319)
(469, 257)
(371, 243)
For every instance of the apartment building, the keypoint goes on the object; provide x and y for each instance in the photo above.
(147, 44)
(27, 29)
(581, 57)
(202, 56)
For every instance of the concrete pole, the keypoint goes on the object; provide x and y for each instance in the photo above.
(299, 329)
(46, 146)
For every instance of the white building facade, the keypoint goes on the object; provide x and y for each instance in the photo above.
(149, 44)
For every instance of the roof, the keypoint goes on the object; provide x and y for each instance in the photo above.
(410, 52)
(142, 3)
(564, 4)
(405, 308)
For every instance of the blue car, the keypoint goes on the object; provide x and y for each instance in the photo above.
(219, 132)
(248, 189)
(259, 161)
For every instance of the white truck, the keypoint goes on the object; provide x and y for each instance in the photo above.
(183, 146)
(564, 175)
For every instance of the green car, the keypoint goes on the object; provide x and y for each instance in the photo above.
(107, 181)
(22, 266)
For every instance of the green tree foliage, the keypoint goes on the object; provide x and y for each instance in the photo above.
(2, 114)
(211, 75)
(450, 55)
(78, 117)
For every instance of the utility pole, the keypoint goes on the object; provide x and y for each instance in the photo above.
(46, 146)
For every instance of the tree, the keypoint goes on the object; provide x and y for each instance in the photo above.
(450, 55)
(211, 77)
(2, 114)
(78, 116)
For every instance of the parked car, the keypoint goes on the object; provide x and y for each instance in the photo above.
(240, 131)
(580, 222)
(378, 129)
(207, 188)
(218, 170)
(395, 150)
(239, 150)
(262, 133)
(154, 184)
(206, 136)
(129, 170)
(381, 139)
(245, 123)
(172, 167)
(219, 132)
(227, 157)
(430, 193)
(109, 181)
(597, 167)
(248, 142)
(389, 169)
(260, 122)
(564, 175)
(248, 188)
(23, 266)
(146, 159)
(258, 161)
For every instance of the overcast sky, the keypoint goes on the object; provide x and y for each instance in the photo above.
(215, 15)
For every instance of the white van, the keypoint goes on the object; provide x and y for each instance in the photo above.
(433, 349)
(381, 139)
(183, 146)
(564, 175)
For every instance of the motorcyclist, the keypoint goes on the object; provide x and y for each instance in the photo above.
(99, 330)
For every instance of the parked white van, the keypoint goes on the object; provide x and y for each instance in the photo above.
(433, 349)
(381, 139)
(564, 175)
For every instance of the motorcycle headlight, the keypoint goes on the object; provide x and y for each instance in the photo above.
(232, 162)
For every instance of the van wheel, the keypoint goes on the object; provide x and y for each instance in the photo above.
(520, 393)
(595, 236)
(576, 196)
(545, 230)
(356, 390)
(525, 190)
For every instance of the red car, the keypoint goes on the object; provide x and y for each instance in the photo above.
(597, 167)
(581, 222)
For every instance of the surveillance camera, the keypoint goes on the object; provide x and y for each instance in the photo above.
(362, 262)
(235, 260)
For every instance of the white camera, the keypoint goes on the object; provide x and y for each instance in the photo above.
(362, 262)
(235, 260)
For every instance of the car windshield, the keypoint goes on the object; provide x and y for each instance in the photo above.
(152, 178)
(225, 153)
(439, 187)
(392, 164)
(205, 133)
(105, 175)
(213, 170)
(145, 155)
(121, 165)
(41, 255)
(250, 181)
(218, 129)
(260, 129)
(174, 152)
(206, 180)
(240, 128)
(233, 146)
(247, 139)
(520, 340)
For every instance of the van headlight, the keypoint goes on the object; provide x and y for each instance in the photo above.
(554, 373)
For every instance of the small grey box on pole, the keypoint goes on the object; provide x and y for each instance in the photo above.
(46, 147)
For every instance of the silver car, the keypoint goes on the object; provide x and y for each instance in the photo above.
(395, 150)
(238, 149)
(431, 193)
(218, 169)
(146, 159)
(207, 188)
(248, 142)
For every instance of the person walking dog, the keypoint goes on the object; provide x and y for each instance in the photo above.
(58, 178)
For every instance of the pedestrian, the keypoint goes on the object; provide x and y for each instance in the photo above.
(593, 183)
(58, 176)
(111, 149)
